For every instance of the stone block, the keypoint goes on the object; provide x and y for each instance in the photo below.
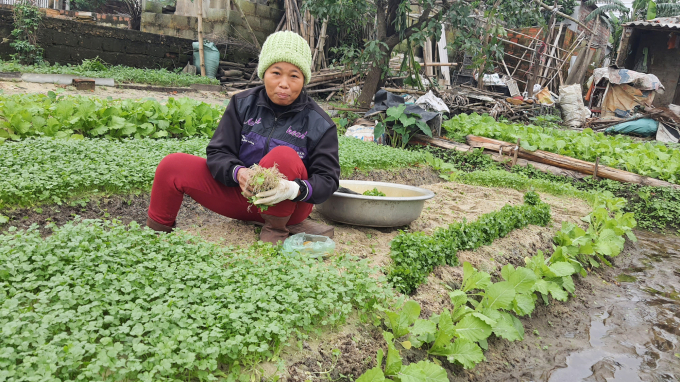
(62, 38)
(268, 25)
(193, 23)
(261, 36)
(131, 48)
(262, 11)
(157, 51)
(58, 54)
(85, 54)
(220, 28)
(113, 45)
(247, 7)
(188, 34)
(235, 18)
(254, 21)
(93, 43)
(216, 14)
(275, 14)
(148, 18)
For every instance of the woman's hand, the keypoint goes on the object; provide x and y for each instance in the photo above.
(243, 176)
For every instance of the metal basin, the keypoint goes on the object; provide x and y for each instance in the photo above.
(401, 205)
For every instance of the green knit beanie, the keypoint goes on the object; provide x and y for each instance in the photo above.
(288, 47)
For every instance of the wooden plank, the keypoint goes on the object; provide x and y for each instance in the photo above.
(446, 144)
(567, 162)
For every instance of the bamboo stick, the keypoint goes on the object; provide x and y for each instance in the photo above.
(200, 38)
(546, 72)
(320, 44)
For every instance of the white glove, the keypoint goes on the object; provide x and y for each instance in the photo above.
(286, 190)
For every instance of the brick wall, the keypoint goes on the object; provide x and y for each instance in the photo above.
(602, 31)
(70, 42)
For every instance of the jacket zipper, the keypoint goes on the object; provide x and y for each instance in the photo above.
(266, 146)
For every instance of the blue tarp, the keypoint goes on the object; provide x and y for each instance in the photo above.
(644, 127)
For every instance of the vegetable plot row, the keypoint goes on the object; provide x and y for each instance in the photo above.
(414, 255)
(645, 158)
(45, 170)
(482, 308)
(94, 68)
(100, 301)
(51, 115)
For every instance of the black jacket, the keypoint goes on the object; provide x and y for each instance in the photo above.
(249, 129)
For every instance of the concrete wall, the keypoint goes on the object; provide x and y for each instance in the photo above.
(661, 61)
(70, 42)
(220, 19)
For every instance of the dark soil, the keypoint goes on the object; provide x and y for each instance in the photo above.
(128, 208)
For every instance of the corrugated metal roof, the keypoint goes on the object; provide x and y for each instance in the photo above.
(661, 22)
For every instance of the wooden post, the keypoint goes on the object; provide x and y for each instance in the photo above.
(514, 156)
(597, 164)
(200, 37)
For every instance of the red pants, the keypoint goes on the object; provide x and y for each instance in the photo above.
(180, 174)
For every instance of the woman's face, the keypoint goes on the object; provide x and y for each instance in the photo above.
(283, 83)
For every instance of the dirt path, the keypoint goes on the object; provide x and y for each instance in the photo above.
(9, 88)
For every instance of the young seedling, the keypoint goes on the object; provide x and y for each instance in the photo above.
(263, 179)
(374, 192)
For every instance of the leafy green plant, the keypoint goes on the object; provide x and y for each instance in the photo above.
(358, 155)
(405, 125)
(645, 158)
(374, 192)
(607, 225)
(27, 18)
(46, 170)
(119, 73)
(101, 301)
(52, 115)
(414, 255)
(654, 207)
(37, 171)
(263, 179)
(482, 308)
(474, 160)
(395, 368)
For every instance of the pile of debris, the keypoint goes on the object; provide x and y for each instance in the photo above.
(466, 99)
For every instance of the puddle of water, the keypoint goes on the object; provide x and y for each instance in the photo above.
(598, 330)
(637, 336)
(581, 365)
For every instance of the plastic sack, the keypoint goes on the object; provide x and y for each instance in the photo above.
(544, 97)
(433, 102)
(314, 246)
(211, 56)
(574, 113)
(364, 130)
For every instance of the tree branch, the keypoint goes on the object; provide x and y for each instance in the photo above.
(394, 39)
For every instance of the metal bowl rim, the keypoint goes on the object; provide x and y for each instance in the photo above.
(427, 194)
